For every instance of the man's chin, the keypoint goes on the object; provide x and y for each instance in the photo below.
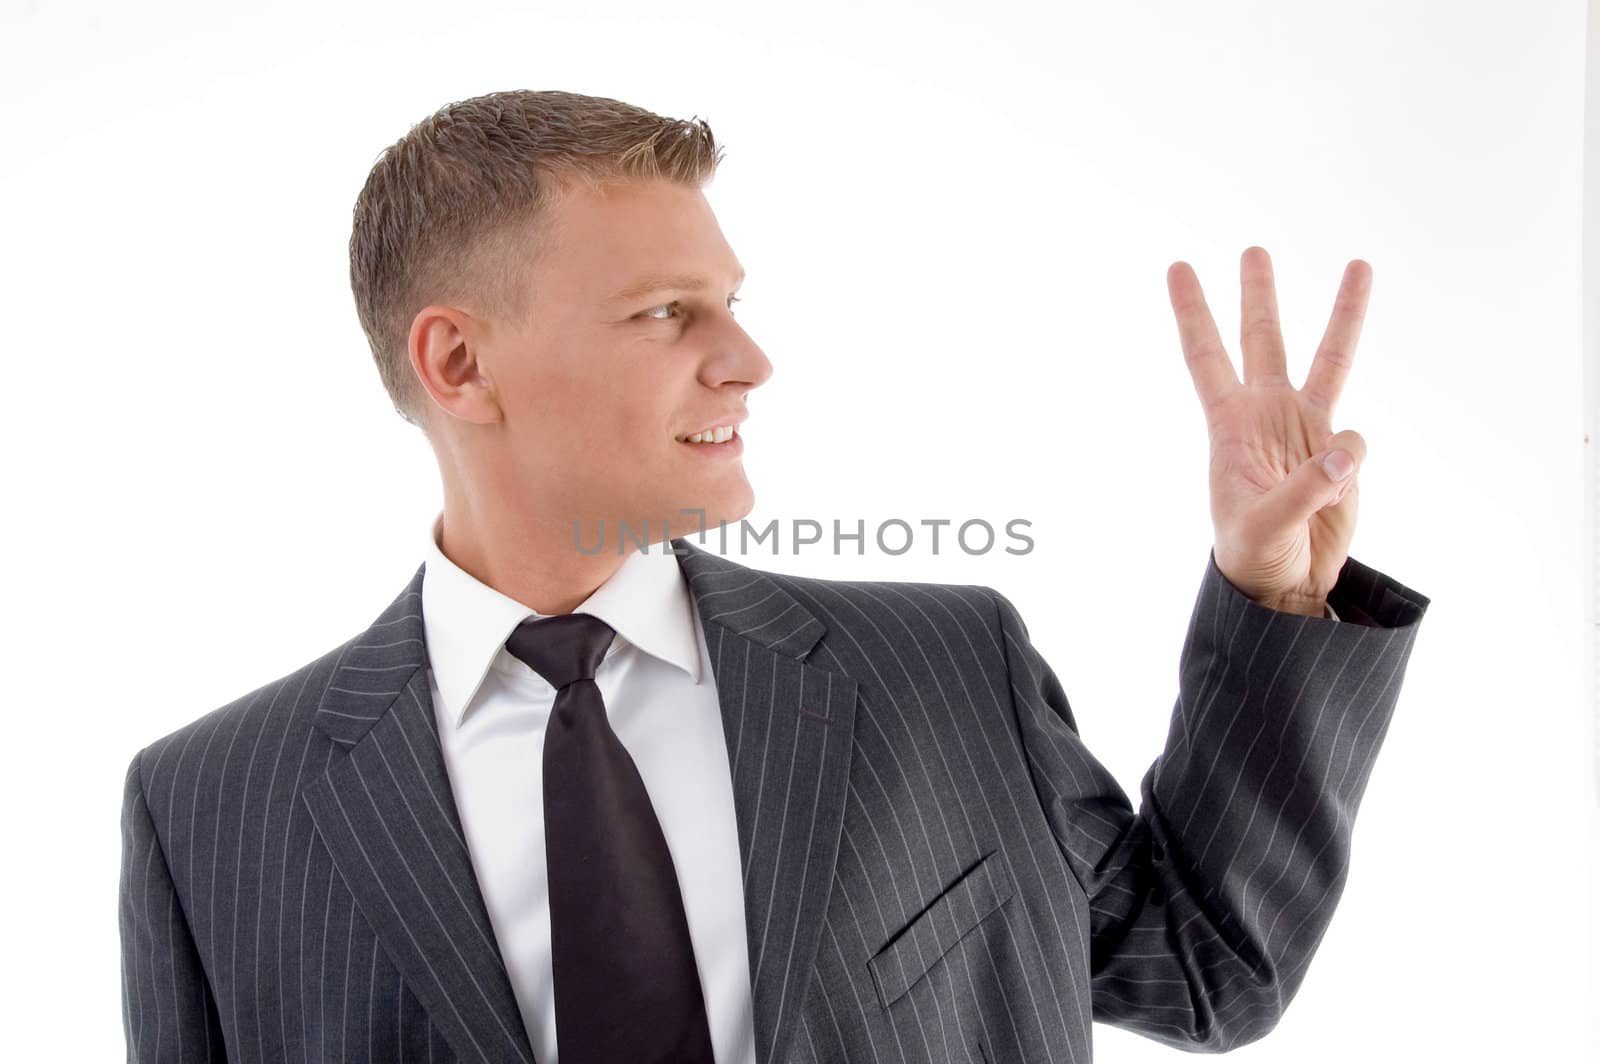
(705, 514)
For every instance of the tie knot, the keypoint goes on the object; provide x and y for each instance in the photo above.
(564, 648)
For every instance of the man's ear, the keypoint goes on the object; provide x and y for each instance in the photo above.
(445, 349)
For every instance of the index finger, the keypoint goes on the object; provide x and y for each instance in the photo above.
(1203, 352)
(1334, 355)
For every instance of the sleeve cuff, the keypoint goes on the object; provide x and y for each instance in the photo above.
(1362, 595)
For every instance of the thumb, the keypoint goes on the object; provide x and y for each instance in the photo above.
(1317, 483)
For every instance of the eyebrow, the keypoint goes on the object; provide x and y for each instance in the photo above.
(662, 282)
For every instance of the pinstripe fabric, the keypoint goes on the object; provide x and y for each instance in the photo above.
(935, 866)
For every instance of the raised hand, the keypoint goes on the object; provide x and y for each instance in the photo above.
(1282, 512)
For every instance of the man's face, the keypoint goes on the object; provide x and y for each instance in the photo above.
(601, 387)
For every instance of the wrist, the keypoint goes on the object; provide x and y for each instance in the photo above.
(1304, 607)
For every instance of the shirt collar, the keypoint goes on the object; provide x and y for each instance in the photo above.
(466, 622)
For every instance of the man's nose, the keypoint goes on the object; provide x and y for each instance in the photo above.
(740, 358)
(760, 365)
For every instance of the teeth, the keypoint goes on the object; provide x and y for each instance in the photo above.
(720, 434)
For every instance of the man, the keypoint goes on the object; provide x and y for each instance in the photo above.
(649, 804)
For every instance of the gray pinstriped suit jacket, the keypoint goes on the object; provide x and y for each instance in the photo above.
(936, 867)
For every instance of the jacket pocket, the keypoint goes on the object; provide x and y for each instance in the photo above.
(913, 952)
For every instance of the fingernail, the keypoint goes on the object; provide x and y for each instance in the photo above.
(1338, 463)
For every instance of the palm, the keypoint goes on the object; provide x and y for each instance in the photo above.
(1270, 541)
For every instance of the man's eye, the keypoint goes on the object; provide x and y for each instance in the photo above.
(651, 313)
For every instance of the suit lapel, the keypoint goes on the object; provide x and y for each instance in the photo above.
(789, 729)
(388, 816)
(386, 812)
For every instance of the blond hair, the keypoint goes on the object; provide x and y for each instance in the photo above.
(452, 212)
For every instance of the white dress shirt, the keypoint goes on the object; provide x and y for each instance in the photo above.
(661, 700)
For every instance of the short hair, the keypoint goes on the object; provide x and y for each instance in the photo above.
(452, 212)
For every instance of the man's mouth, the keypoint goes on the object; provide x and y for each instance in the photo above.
(718, 432)
(715, 434)
(715, 441)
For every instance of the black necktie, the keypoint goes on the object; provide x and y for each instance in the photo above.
(626, 988)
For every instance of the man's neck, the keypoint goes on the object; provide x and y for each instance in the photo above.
(537, 563)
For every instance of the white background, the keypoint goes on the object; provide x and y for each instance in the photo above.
(957, 220)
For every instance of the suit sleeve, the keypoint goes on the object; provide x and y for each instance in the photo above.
(1207, 905)
(168, 1014)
